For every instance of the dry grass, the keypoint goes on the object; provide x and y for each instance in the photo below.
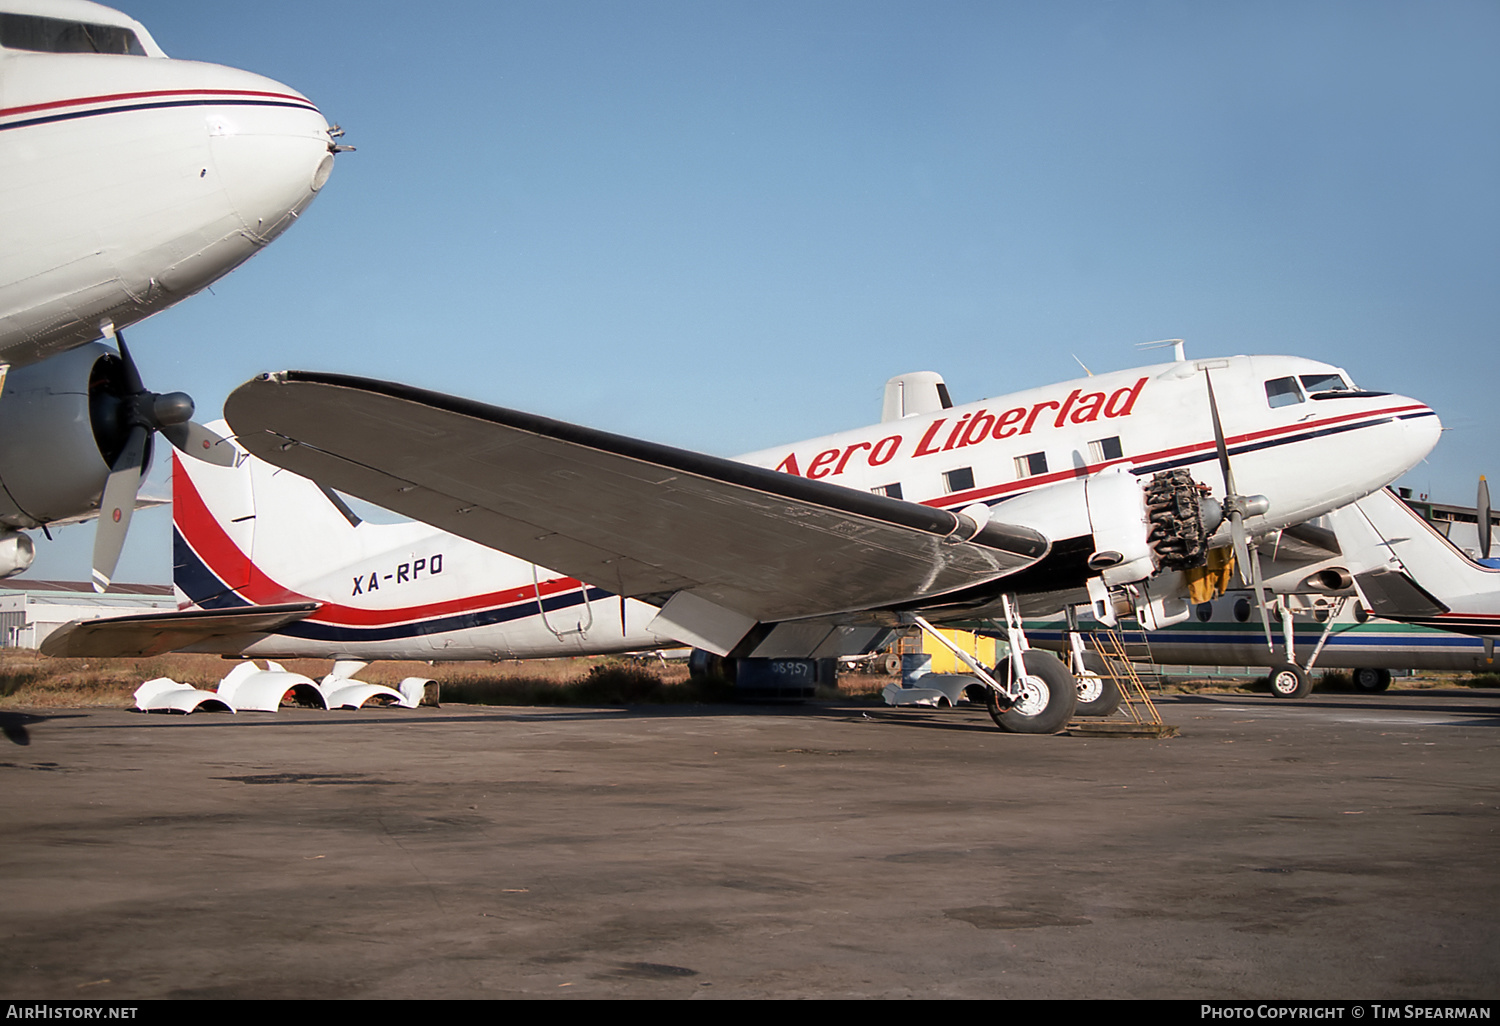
(32, 681)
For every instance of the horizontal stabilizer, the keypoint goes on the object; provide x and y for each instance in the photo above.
(1396, 596)
(149, 634)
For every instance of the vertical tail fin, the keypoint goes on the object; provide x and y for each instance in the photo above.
(252, 534)
(1405, 568)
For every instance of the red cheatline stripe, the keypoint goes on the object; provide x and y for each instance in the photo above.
(224, 559)
(1025, 484)
(112, 97)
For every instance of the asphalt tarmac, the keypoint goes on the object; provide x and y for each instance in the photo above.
(1342, 847)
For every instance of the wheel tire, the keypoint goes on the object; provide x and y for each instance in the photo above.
(1288, 681)
(1051, 694)
(1370, 680)
(1098, 691)
(891, 664)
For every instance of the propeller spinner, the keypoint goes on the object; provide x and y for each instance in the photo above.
(140, 412)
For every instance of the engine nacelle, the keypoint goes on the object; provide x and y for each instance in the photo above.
(16, 553)
(1109, 507)
(60, 429)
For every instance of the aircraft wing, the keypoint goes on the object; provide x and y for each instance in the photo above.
(638, 518)
(149, 634)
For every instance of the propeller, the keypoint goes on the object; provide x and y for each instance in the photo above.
(138, 413)
(1236, 508)
(1482, 506)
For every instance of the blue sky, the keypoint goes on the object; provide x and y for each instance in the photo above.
(723, 225)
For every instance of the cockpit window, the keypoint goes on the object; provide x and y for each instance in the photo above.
(1282, 392)
(58, 35)
(1333, 386)
(1315, 383)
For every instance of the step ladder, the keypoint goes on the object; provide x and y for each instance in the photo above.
(1118, 651)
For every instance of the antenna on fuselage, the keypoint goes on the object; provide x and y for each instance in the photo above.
(1178, 353)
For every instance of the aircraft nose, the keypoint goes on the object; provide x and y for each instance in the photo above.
(271, 150)
(1420, 432)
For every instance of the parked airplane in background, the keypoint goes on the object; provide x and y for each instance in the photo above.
(128, 181)
(1106, 490)
(1370, 588)
(1412, 574)
(1224, 632)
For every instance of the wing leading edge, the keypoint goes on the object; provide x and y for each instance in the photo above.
(641, 519)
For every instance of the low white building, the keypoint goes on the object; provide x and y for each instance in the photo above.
(31, 610)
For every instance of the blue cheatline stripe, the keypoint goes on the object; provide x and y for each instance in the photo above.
(195, 580)
(312, 631)
(1271, 443)
(47, 119)
(1349, 640)
(193, 577)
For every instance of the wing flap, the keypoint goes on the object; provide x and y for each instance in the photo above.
(627, 515)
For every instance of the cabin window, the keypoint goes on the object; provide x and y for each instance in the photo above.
(890, 491)
(1205, 612)
(58, 35)
(1283, 392)
(1106, 449)
(960, 480)
(1031, 465)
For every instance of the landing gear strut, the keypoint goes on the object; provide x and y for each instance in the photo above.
(1031, 692)
(1098, 683)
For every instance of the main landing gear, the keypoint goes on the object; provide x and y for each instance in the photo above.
(1048, 695)
(1030, 692)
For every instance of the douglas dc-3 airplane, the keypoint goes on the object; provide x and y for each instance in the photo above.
(1107, 490)
(128, 181)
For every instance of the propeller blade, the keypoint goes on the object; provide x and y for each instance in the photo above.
(118, 505)
(1260, 597)
(132, 373)
(1213, 409)
(1237, 535)
(1483, 507)
(195, 440)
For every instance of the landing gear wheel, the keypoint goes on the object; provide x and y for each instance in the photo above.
(1049, 696)
(1371, 680)
(1098, 690)
(1288, 681)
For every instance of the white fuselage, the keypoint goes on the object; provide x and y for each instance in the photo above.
(1307, 457)
(130, 181)
(255, 535)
